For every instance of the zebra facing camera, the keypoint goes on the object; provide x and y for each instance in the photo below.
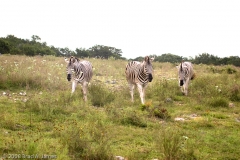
(69, 77)
(150, 77)
(181, 82)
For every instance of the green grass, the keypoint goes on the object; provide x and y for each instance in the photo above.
(40, 116)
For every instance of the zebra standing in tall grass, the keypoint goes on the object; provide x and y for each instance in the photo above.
(82, 73)
(185, 74)
(139, 74)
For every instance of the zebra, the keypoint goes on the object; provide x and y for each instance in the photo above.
(83, 73)
(139, 74)
(185, 74)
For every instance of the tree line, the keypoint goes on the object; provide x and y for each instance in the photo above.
(204, 58)
(18, 46)
(33, 47)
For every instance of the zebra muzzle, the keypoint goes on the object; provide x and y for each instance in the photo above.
(181, 82)
(69, 77)
(150, 77)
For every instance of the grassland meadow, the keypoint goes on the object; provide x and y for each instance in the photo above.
(41, 119)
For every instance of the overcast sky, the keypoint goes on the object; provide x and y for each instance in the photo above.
(137, 27)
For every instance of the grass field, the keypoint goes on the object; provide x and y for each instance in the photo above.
(40, 118)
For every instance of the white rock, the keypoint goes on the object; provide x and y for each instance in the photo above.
(179, 119)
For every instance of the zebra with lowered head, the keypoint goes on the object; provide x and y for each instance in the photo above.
(139, 74)
(185, 74)
(82, 73)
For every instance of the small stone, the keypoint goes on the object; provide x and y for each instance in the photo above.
(231, 105)
(119, 158)
(168, 100)
(179, 119)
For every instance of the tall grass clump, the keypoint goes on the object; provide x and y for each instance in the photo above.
(203, 85)
(84, 141)
(163, 89)
(218, 102)
(156, 111)
(234, 92)
(50, 107)
(133, 119)
(100, 95)
(173, 144)
(230, 70)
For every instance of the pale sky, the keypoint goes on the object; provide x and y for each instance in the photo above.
(137, 27)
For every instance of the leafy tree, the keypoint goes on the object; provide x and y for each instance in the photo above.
(57, 51)
(140, 59)
(67, 52)
(29, 50)
(81, 52)
(234, 60)
(168, 57)
(206, 58)
(35, 38)
(4, 47)
(105, 52)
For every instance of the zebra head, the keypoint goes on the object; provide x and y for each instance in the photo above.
(148, 67)
(70, 66)
(181, 74)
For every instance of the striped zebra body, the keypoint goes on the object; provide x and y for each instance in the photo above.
(82, 74)
(185, 74)
(139, 74)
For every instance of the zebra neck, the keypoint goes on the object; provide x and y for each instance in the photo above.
(143, 76)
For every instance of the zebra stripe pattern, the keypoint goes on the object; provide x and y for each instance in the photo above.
(82, 73)
(139, 74)
(185, 74)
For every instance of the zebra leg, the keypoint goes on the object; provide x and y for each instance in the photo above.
(131, 86)
(74, 85)
(182, 89)
(84, 89)
(141, 92)
(186, 87)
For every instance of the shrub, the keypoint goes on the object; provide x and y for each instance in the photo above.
(161, 112)
(157, 111)
(132, 118)
(230, 70)
(84, 141)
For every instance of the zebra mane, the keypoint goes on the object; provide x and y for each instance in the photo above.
(181, 68)
(73, 60)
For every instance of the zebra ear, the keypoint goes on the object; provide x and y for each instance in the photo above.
(66, 60)
(146, 59)
(152, 59)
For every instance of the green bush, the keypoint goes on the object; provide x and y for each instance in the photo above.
(161, 112)
(230, 70)
(156, 111)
